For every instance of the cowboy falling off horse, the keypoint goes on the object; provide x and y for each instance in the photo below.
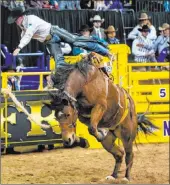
(84, 92)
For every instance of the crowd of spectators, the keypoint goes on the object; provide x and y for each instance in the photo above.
(69, 4)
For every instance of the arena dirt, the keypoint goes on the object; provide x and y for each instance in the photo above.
(84, 166)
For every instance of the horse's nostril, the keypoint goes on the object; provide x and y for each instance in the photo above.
(73, 136)
(66, 143)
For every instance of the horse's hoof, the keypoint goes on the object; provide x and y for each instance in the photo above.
(84, 143)
(110, 179)
(124, 181)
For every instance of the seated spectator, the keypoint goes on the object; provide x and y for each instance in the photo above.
(65, 5)
(111, 35)
(54, 3)
(36, 4)
(143, 20)
(4, 3)
(76, 5)
(162, 41)
(127, 3)
(13, 82)
(99, 5)
(16, 3)
(167, 5)
(113, 4)
(87, 4)
(142, 48)
(97, 30)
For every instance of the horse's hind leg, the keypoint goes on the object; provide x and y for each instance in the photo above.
(109, 144)
(128, 146)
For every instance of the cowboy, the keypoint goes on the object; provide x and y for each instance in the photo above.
(111, 35)
(97, 30)
(162, 41)
(142, 48)
(36, 28)
(143, 20)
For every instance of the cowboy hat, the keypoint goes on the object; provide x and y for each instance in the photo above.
(164, 27)
(85, 28)
(143, 16)
(14, 14)
(96, 18)
(110, 29)
(8, 68)
(144, 28)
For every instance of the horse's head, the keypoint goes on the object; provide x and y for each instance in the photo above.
(66, 115)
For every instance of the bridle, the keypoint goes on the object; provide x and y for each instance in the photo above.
(72, 102)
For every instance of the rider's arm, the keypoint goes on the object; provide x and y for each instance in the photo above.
(27, 36)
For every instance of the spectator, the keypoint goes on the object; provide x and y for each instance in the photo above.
(167, 5)
(143, 20)
(16, 3)
(87, 4)
(127, 3)
(99, 5)
(54, 3)
(13, 82)
(76, 5)
(4, 3)
(114, 4)
(111, 35)
(65, 5)
(162, 41)
(142, 48)
(97, 30)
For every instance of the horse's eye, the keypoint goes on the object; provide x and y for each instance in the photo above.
(67, 115)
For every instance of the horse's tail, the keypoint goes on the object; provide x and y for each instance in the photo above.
(145, 124)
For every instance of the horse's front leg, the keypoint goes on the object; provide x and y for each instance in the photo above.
(96, 116)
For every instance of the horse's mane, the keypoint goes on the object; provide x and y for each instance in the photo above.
(61, 74)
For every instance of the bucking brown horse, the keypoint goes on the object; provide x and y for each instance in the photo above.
(85, 92)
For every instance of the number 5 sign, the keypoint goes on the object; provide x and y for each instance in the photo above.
(162, 92)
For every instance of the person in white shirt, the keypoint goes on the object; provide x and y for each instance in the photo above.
(142, 48)
(143, 20)
(162, 41)
(97, 30)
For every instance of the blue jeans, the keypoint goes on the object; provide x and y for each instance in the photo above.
(54, 46)
(63, 34)
(92, 46)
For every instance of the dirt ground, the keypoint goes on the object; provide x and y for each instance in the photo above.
(84, 166)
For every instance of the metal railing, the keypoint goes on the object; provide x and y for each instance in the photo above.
(150, 5)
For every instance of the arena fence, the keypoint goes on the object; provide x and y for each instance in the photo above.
(150, 5)
(150, 91)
